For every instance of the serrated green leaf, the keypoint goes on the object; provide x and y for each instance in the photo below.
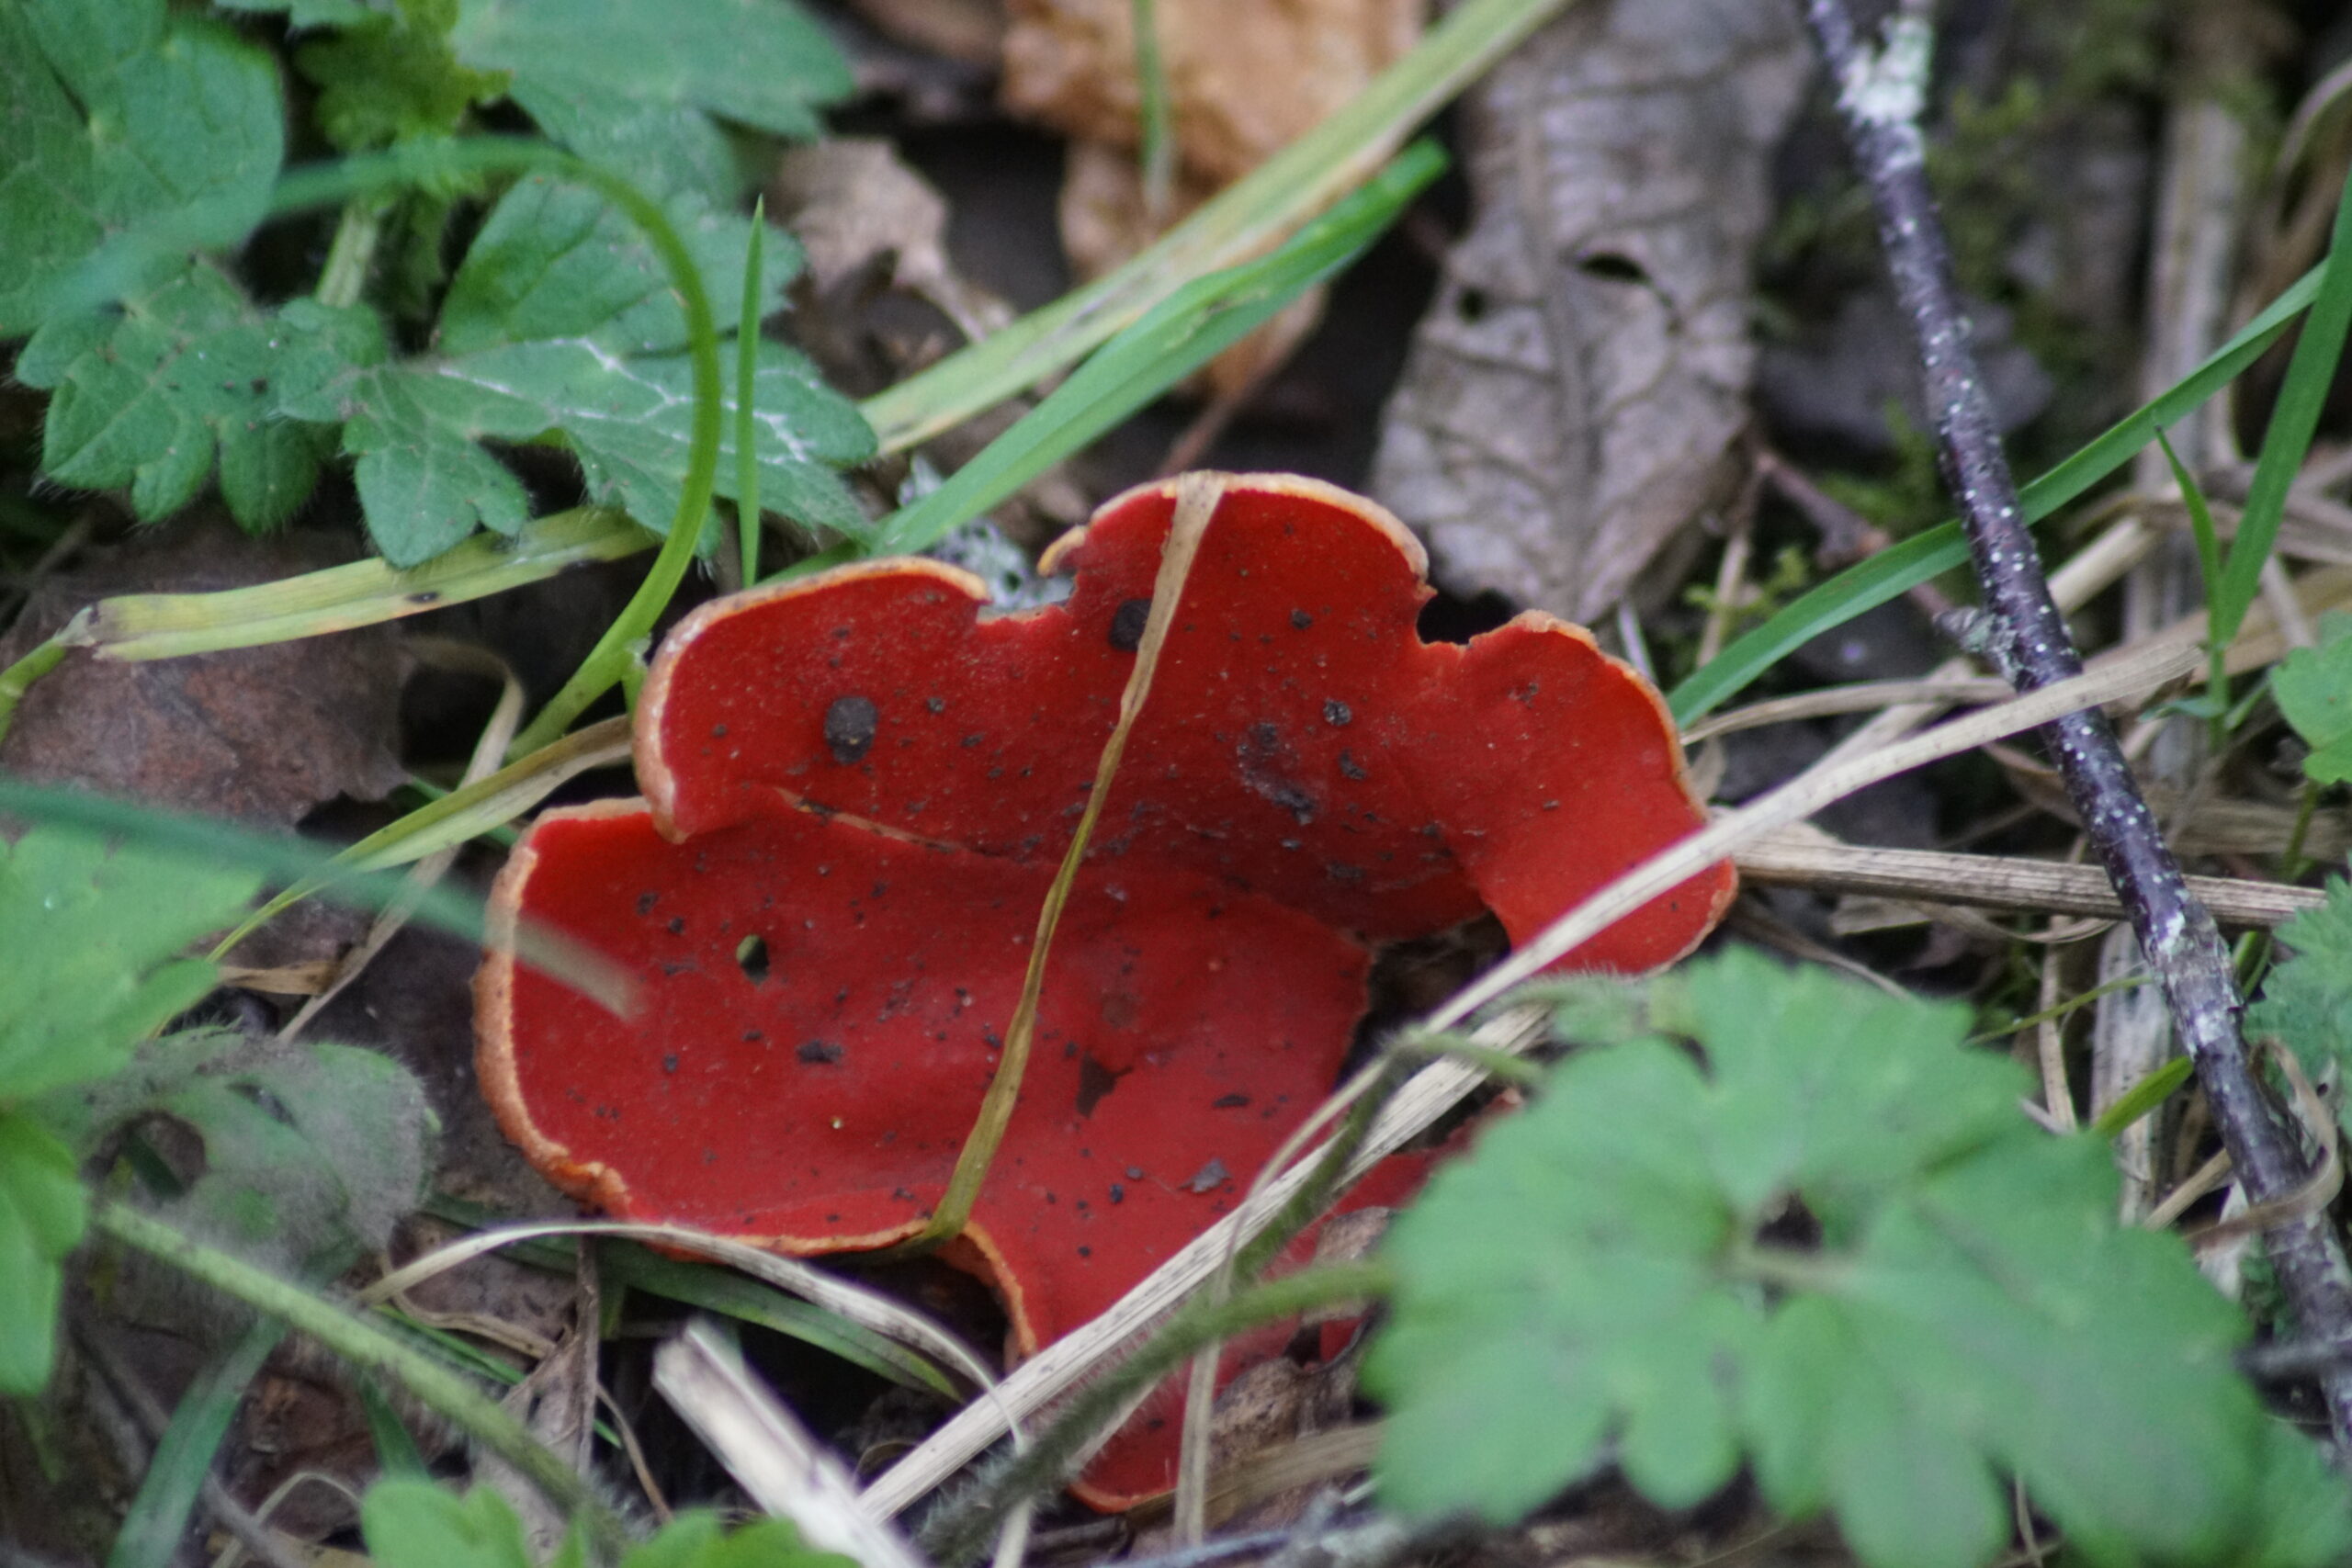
(147, 394)
(560, 326)
(389, 78)
(120, 111)
(1513, 1326)
(414, 1524)
(1635, 1256)
(2313, 688)
(2307, 1000)
(43, 1212)
(555, 261)
(311, 1152)
(761, 62)
(662, 147)
(306, 12)
(89, 942)
(1846, 1111)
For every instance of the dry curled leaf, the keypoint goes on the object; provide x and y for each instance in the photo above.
(1245, 77)
(854, 207)
(1104, 221)
(1575, 390)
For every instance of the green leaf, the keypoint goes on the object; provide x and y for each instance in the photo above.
(306, 12)
(311, 1152)
(2311, 372)
(89, 965)
(761, 62)
(121, 111)
(2314, 686)
(43, 1211)
(663, 148)
(156, 1521)
(148, 393)
(1846, 1117)
(555, 261)
(414, 1524)
(394, 78)
(561, 326)
(2307, 1000)
(1838, 1253)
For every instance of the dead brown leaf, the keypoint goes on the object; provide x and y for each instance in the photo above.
(1245, 77)
(970, 32)
(855, 206)
(1104, 221)
(260, 734)
(1573, 391)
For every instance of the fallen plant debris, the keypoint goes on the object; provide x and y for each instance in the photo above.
(856, 792)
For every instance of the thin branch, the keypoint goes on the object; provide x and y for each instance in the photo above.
(1879, 95)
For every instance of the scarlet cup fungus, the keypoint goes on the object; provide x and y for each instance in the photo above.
(857, 793)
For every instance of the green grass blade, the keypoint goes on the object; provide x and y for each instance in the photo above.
(1247, 219)
(157, 1522)
(2287, 439)
(1942, 547)
(362, 593)
(747, 374)
(2143, 1097)
(1158, 114)
(559, 956)
(396, 1451)
(752, 1301)
(456, 816)
(2200, 525)
(1178, 335)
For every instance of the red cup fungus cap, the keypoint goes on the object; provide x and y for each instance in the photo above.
(857, 790)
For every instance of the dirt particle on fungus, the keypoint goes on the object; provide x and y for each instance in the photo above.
(645, 902)
(677, 925)
(1118, 1193)
(1209, 1177)
(1301, 619)
(1096, 1083)
(751, 957)
(1348, 767)
(754, 1037)
(1127, 623)
(1341, 871)
(718, 732)
(670, 1062)
(1086, 1252)
(850, 724)
(1337, 713)
(934, 704)
(819, 1052)
(1229, 1103)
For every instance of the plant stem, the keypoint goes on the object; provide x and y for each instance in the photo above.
(366, 1347)
(17, 678)
(351, 254)
(1880, 94)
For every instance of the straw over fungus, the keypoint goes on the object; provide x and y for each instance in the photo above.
(857, 792)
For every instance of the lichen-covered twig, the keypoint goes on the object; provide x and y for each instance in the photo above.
(1880, 94)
